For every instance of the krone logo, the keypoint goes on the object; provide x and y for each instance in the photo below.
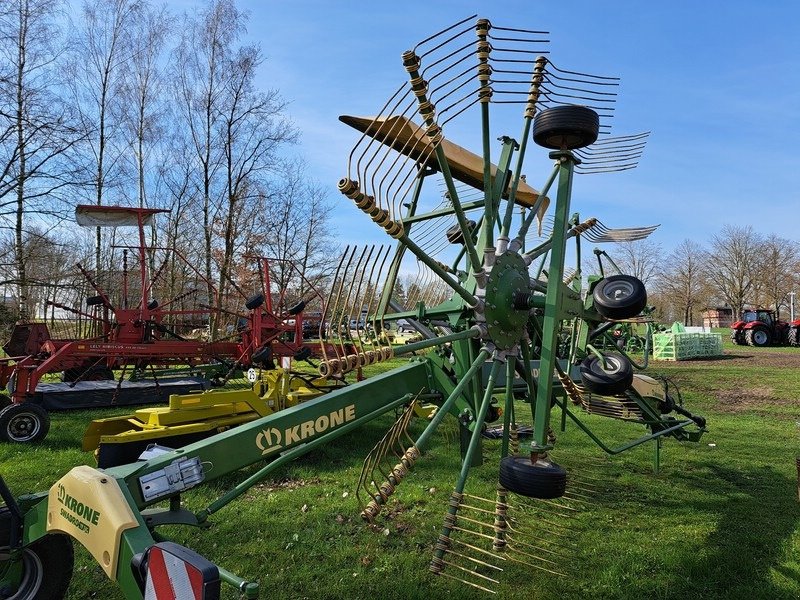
(268, 440)
(62, 493)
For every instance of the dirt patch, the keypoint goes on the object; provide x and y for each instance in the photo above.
(754, 357)
(748, 399)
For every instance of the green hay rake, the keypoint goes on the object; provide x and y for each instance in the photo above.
(490, 338)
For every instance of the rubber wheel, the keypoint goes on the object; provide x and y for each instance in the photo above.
(611, 382)
(254, 301)
(542, 479)
(47, 566)
(792, 340)
(566, 127)
(5, 400)
(24, 423)
(456, 236)
(737, 337)
(94, 300)
(303, 354)
(263, 356)
(297, 308)
(758, 336)
(619, 297)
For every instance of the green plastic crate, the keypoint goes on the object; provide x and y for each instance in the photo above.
(684, 346)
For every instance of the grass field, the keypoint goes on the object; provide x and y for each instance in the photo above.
(720, 520)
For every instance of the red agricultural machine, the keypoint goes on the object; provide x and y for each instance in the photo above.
(140, 338)
(761, 327)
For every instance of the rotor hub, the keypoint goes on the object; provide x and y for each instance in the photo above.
(505, 323)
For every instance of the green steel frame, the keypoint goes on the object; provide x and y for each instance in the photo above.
(493, 314)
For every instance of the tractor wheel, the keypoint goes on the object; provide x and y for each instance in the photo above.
(758, 336)
(542, 479)
(737, 337)
(619, 297)
(26, 422)
(254, 301)
(46, 567)
(617, 378)
(566, 127)
(5, 400)
(794, 336)
(90, 374)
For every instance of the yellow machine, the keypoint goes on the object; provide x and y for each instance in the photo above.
(191, 417)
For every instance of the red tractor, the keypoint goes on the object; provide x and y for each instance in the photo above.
(760, 327)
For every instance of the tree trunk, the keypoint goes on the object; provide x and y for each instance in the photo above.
(22, 277)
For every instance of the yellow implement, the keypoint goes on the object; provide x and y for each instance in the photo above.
(191, 417)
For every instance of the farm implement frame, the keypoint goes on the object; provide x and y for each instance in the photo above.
(139, 337)
(495, 339)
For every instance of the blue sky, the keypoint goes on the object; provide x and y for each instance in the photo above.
(717, 83)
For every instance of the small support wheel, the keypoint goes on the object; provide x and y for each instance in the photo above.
(24, 423)
(614, 379)
(619, 297)
(540, 479)
(456, 236)
(254, 301)
(46, 569)
(297, 308)
(566, 127)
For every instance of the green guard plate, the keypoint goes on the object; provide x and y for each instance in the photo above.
(505, 323)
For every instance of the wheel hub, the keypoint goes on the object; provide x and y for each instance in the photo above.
(22, 426)
(505, 323)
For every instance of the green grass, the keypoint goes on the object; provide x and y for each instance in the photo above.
(719, 521)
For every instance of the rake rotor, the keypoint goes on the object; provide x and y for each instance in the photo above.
(474, 277)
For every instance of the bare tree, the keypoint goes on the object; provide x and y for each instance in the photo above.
(141, 88)
(684, 284)
(641, 259)
(253, 129)
(777, 270)
(36, 132)
(200, 61)
(102, 53)
(732, 265)
(299, 229)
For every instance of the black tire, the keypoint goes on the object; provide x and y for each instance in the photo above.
(95, 373)
(47, 566)
(456, 236)
(737, 337)
(24, 423)
(611, 382)
(303, 353)
(758, 336)
(794, 336)
(5, 400)
(566, 127)
(619, 297)
(264, 357)
(254, 301)
(535, 480)
(153, 304)
(297, 308)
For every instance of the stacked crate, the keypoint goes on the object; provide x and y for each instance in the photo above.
(684, 346)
